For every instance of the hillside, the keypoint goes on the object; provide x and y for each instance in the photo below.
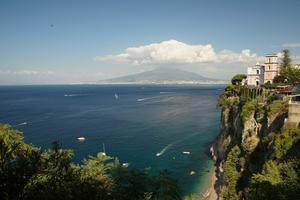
(257, 155)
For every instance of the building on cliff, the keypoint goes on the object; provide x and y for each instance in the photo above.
(255, 75)
(259, 74)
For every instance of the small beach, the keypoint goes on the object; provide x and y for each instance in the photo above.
(210, 193)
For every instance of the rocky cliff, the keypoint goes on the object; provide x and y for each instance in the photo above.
(250, 130)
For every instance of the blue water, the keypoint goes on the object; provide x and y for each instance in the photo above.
(135, 125)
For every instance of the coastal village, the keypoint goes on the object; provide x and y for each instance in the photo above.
(261, 74)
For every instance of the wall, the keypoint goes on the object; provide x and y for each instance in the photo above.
(294, 114)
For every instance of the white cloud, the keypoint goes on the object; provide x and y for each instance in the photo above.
(26, 72)
(291, 45)
(245, 56)
(175, 52)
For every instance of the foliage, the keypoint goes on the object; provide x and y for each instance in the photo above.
(248, 109)
(276, 106)
(237, 79)
(229, 96)
(279, 79)
(291, 74)
(276, 181)
(284, 142)
(26, 172)
(279, 177)
(231, 174)
(18, 163)
(286, 60)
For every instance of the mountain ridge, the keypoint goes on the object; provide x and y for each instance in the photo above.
(162, 75)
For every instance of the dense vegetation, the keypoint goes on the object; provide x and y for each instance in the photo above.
(288, 74)
(27, 172)
(277, 178)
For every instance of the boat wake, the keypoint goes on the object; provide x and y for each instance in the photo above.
(164, 150)
(149, 98)
(75, 95)
(21, 124)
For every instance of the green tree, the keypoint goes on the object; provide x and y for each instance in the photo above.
(27, 173)
(286, 60)
(237, 79)
(291, 74)
(279, 79)
(166, 188)
(56, 178)
(231, 174)
(18, 163)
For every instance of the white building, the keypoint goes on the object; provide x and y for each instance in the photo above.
(255, 75)
(260, 74)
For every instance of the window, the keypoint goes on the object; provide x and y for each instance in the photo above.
(257, 71)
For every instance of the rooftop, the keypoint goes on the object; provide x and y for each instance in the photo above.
(271, 55)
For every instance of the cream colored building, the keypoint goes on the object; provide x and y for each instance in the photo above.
(272, 68)
(259, 74)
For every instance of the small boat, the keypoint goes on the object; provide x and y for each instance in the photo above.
(125, 164)
(192, 173)
(116, 96)
(186, 152)
(81, 139)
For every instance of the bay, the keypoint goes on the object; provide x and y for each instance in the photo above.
(148, 126)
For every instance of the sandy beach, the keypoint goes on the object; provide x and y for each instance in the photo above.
(210, 193)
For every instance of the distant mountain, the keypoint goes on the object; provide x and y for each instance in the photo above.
(162, 75)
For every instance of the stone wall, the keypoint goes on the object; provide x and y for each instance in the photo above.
(294, 114)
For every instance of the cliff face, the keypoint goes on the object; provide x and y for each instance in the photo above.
(230, 133)
(247, 131)
(246, 126)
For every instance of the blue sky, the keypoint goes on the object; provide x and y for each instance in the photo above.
(62, 41)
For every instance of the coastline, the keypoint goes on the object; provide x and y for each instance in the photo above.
(210, 193)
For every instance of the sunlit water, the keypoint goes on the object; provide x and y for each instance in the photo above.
(147, 126)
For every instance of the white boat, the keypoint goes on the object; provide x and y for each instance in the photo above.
(192, 173)
(81, 139)
(186, 152)
(125, 164)
(116, 96)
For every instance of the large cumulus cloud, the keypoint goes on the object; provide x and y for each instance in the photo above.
(175, 52)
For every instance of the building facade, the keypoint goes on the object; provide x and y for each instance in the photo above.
(259, 74)
(271, 68)
(255, 75)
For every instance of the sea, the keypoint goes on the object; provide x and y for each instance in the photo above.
(147, 126)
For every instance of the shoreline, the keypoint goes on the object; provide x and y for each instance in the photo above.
(210, 193)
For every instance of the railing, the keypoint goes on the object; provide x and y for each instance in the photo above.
(291, 101)
(294, 102)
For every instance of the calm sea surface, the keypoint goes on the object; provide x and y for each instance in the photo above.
(134, 122)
